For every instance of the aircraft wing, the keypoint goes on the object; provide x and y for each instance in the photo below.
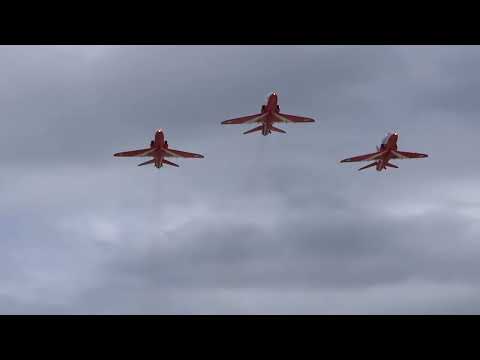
(285, 118)
(141, 152)
(366, 157)
(181, 154)
(407, 155)
(245, 119)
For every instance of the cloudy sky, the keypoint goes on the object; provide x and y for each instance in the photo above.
(261, 225)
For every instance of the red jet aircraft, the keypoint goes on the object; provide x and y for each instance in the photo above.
(270, 113)
(159, 150)
(386, 152)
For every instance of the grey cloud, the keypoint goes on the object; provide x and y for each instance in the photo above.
(262, 224)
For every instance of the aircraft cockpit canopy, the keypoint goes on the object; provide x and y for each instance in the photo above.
(385, 139)
(270, 94)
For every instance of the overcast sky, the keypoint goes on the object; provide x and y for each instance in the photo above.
(261, 225)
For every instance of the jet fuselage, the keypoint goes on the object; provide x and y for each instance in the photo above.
(159, 143)
(270, 108)
(388, 144)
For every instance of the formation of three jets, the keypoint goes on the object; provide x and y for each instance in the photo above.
(270, 114)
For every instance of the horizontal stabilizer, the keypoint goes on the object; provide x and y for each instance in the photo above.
(169, 163)
(147, 162)
(278, 130)
(391, 165)
(258, 128)
(369, 165)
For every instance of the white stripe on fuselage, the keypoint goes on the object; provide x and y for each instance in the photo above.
(284, 119)
(256, 119)
(148, 152)
(376, 156)
(399, 156)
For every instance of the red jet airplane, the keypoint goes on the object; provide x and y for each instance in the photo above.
(159, 150)
(386, 152)
(270, 113)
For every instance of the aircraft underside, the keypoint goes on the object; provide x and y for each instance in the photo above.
(159, 150)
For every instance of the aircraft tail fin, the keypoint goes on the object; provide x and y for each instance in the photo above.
(169, 163)
(258, 128)
(147, 162)
(278, 130)
(391, 165)
(369, 165)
